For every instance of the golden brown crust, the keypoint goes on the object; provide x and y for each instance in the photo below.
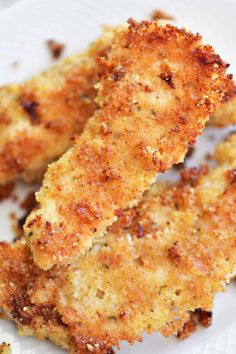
(226, 112)
(159, 84)
(159, 261)
(39, 117)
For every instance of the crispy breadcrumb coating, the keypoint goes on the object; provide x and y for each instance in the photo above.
(33, 114)
(158, 88)
(5, 348)
(39, 117)
(158, 262)
(226, 112)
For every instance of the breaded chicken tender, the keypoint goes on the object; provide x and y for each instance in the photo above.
(158, 88)
(158, 262)
(39, 117)
(5, 348)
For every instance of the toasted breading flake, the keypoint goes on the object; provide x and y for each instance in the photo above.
(155, 96)
(56, 48)
(226, 113)
(5, 348)
(39, 117)
(161, 15)
(159, 262)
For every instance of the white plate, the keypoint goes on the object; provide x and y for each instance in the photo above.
(24, 27)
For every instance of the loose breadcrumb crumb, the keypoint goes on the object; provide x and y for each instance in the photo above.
(161, 15)
(56, 48)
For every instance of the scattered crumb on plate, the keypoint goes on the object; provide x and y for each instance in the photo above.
(56, 48)
(208, 156)
(15, 64)
(161, 15)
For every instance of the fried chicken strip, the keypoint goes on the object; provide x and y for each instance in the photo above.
(159, 86)
(39, 117)
(158, 262)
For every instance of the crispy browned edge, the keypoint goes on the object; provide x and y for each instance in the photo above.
(226, 113)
